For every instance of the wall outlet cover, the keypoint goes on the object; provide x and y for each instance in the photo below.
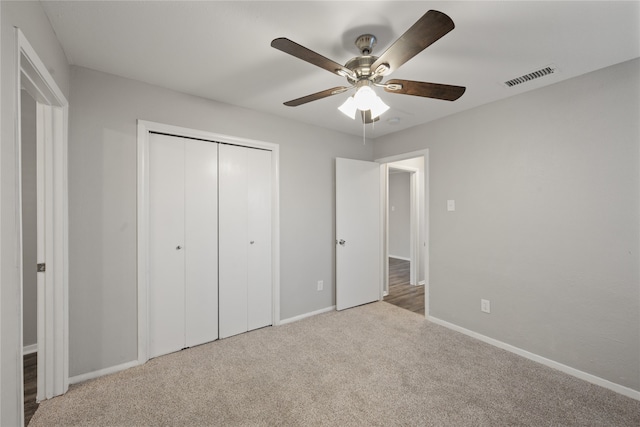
(485, 306)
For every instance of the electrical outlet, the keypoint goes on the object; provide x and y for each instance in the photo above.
(485, 305)
(320, 285)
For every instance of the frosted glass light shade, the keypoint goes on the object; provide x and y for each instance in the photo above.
(378, 107)
(364, 98)
(348, 108)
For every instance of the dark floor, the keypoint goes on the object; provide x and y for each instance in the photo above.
(401, 293)
(30, 386)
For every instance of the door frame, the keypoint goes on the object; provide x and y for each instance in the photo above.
(146, 127)
(424, 218)
(414, 223)
(52, 146)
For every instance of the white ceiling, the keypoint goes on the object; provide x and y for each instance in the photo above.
(221, 50)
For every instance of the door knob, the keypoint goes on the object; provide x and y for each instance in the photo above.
(252, 242)
(178, 247)
(342, 242)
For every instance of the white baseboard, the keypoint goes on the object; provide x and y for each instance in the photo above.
(102, 372)
(626, 391)
(28, 349)
(304, 316)
(400, 257)
(421, 283)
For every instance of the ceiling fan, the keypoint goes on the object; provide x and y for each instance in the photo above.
(367, 71)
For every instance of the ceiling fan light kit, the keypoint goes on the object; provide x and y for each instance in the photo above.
(348, 108)
(367, 71)
(378, 107)
(365, 99)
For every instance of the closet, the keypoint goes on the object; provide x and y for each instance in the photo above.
(209, 241)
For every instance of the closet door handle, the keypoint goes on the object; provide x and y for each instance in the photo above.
(252, 242)
(178, 247)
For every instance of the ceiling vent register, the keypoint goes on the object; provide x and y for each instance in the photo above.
(531, 76)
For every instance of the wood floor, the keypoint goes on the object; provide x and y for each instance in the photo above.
(30, 386)
(401, 293)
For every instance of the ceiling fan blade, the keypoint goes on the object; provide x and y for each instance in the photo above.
(366, 117)
(301, 52)
(316, 96)
(428, 90)
(428, 29)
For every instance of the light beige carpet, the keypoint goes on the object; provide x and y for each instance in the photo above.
(375, 365)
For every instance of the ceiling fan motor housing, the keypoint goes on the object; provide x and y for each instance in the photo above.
(361, 67)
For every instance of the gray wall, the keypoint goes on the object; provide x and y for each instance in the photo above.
(546, 225)
(29, 222)
(30, 17)
(102, 205)
(400, 215)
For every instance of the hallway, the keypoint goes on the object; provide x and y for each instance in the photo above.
(401, 293)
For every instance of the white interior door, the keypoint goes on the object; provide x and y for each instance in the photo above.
(166, 245)
(201, 242)
(43, 337)
(245, 255)
(259, 302)
(234, 240)
(183, 243)
(358, 231)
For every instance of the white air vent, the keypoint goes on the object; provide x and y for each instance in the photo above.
(550, 69)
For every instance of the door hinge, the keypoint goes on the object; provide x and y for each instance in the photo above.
(42, 267)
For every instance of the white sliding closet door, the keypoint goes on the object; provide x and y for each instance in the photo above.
(245, 239)
(183, 240)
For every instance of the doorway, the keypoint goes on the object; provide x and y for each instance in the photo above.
(405, 206)
(42, 223)
(403, 237)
